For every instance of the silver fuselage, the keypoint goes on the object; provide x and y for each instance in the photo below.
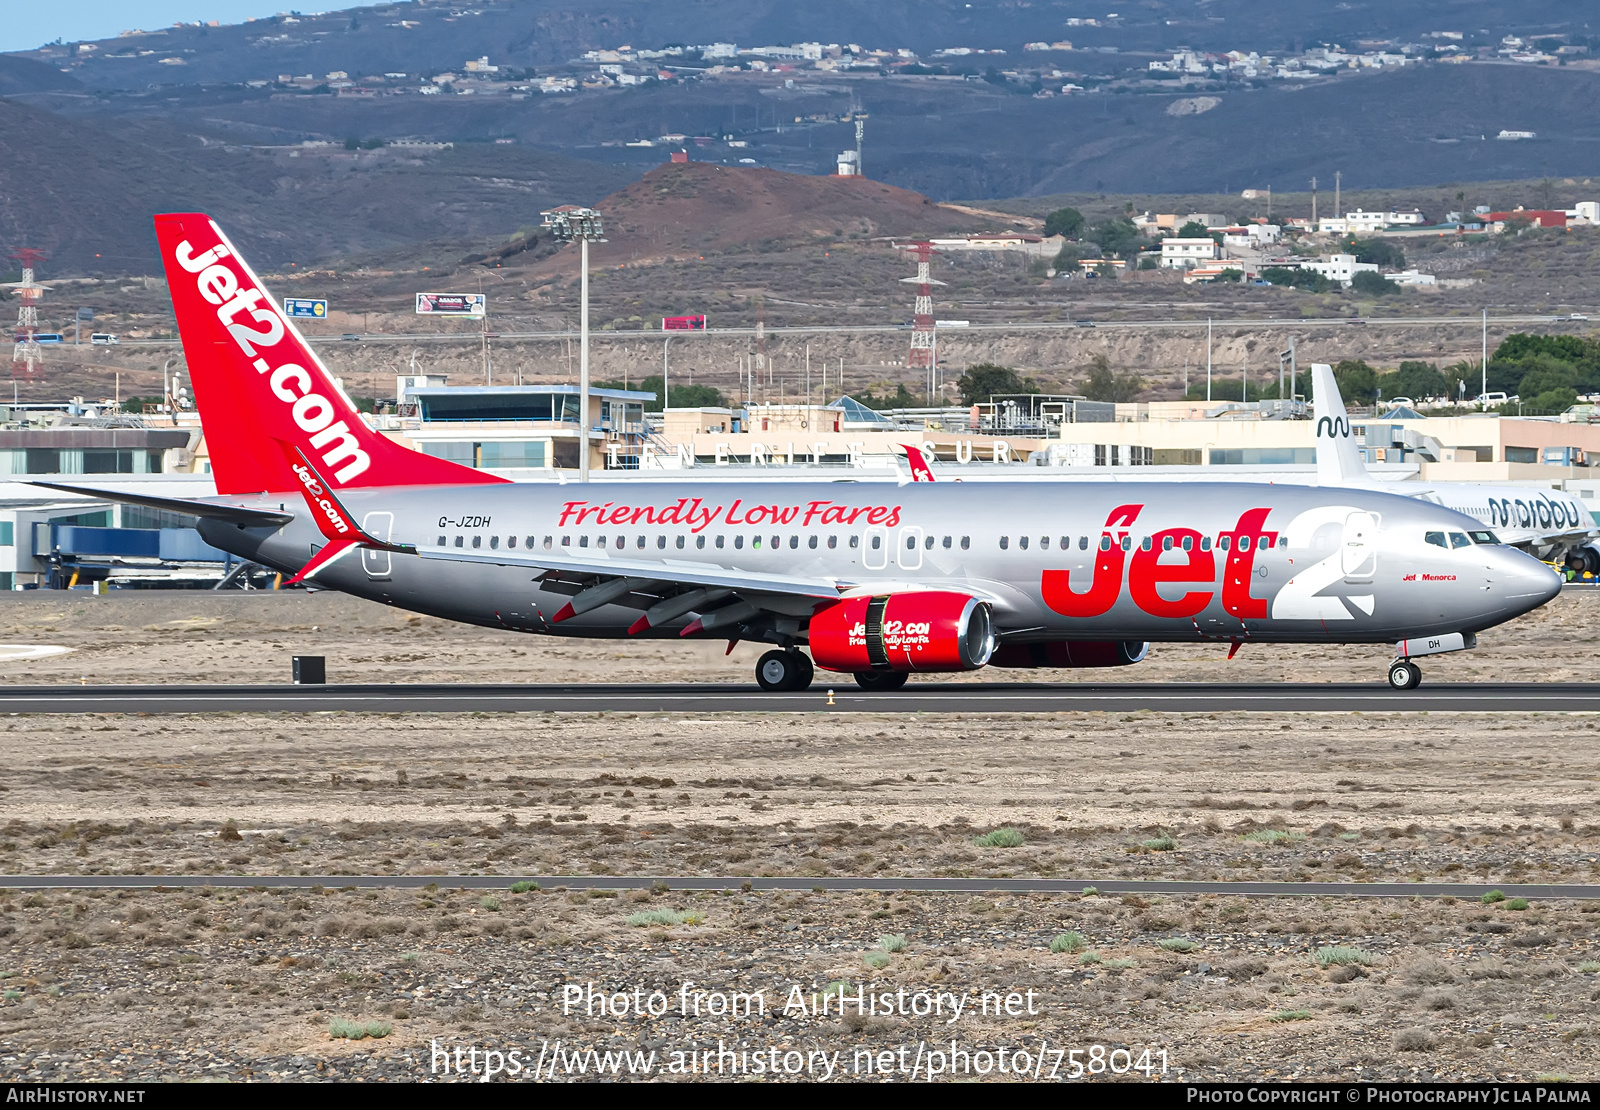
(1086, 561)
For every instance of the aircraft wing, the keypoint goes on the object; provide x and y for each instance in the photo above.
(688, 573)
(233, 514)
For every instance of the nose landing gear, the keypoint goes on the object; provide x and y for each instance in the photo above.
(1405, 675)
(783, 671)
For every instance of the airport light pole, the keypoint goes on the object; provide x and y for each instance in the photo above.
(567, 223)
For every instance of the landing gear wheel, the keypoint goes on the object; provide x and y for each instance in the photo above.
(782, 671)
(881, 681)
(1405, 675)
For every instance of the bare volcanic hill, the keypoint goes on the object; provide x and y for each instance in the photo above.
(690, 209)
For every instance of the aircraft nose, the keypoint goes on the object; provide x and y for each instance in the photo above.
(1521, 581)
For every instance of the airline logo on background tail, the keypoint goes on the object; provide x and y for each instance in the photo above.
(1339, 461)
(256, 380)
(920, 471)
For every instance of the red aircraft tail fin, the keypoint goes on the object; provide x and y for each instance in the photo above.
(256, 380)
(920, 470)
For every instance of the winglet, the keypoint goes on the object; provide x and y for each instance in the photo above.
(1338, 459)
(920, 471)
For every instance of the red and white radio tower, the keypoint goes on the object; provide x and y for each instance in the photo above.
(26, 355)
(924, 353)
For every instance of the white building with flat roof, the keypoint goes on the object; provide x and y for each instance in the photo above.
(1185, 254)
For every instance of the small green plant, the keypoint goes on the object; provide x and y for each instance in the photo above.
(837, 987)
(1589, 967)
(13, 996)
(666, 917)
(1492, 897)
(489, 902)
(1067, 942)
(1272, 836)
(1349, 836)
(1517, 904)
(893, 943)
(523, 886)
(1338, 955)
(1177, 944)
(409, 957)
(876, 958)
(345, 1029)
(1091, 892)
(1162, 843)
(1090, 958)
(1000, 838)
(1290, 1015)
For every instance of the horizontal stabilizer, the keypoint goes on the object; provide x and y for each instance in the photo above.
(233, 514)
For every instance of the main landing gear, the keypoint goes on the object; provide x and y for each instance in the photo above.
(1405, 675)
(782, 671)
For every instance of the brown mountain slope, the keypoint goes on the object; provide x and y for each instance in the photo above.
(689, 209)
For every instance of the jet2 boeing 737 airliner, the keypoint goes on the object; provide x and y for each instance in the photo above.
(876, 580)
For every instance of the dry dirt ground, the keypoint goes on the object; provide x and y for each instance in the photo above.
(252, 983)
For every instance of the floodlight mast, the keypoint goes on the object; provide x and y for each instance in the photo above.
(567, 223)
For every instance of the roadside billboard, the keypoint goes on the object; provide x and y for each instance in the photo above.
(683, 323)
(452, 304)
(302, 308)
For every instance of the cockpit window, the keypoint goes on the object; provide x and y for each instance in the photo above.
(1459, 539)
(1485, 537)
(1435, 538)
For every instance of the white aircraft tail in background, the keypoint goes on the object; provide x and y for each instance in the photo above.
(1339, 461)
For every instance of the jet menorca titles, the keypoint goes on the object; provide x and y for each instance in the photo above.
(874, 580)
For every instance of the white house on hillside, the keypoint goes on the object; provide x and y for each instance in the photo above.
(1184, 254)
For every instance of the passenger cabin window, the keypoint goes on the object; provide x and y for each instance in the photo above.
(1244, 543)
(1044, 543)
(812, 543)
(477, 541)
(1127, 543)
(639, 543)
(1459, 539)
(700, 541)
(1146, 544)
(877, 542)
(1223, 543)
(1188, 543)
(966, 542)
(1022, 542)
(1166, 543)
(1005, 542)
(833, 541)
(947, 543)
(855, 541)
(1283, 541)
(1105, 543)
(661, 543)
(460, 542)
(443, 540)
(928, 543)
(511, 541)
(566, 541)
(1435, 538)
(494, 542)
(794, 542)
(1083, 543)
(911, 543)
(1205, 543)
(679, 543)
(719, 542)
(738, 542)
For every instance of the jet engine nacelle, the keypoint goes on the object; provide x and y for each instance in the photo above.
(1071, 653)
(1585, 559)
(917, 631)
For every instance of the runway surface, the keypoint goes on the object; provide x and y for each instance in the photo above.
(1471, 891)
(842, 697)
